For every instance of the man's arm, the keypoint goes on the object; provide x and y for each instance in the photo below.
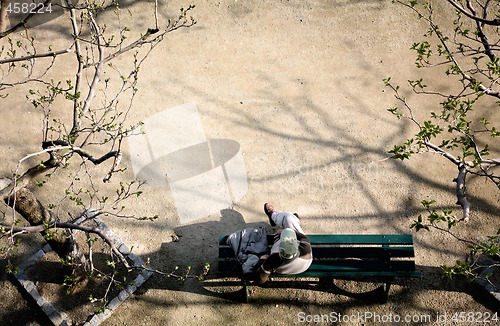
(272, 262)
(305, 248)
(302, 237)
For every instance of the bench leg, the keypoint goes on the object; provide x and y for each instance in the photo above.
(245, 291)
(385, 288)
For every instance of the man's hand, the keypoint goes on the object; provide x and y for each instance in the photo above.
(277, 234)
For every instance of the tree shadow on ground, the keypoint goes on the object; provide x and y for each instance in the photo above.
(27, 312)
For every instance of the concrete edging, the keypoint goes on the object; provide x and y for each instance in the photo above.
(60, 318)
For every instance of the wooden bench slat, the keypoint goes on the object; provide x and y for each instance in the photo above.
(232, 269)
(363, 252)
(351, 265)
(345, 252)
(341, 265)
(375, 239)
(362, 274)
(352, 239)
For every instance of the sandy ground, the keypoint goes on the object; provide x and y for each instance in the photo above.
(298, 84)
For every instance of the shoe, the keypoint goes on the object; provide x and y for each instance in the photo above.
(269, 210)
(297, 215)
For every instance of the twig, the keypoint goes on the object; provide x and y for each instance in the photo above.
(156, 14)
(453, 235)
(142, 40)
(35, 56)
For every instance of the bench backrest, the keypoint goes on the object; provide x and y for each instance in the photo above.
(346, 254)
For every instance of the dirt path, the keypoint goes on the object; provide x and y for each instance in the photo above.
(298, 85)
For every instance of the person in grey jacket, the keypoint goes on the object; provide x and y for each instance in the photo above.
(248, 246)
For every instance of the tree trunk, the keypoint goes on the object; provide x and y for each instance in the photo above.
(3, 15)
(60, 240)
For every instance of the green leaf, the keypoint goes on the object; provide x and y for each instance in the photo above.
(484, 121)
(418, 225)
(427, 203)
(394, 110)
(494, 132)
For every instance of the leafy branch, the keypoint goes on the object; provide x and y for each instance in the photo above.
(484, 254)
(458, 129)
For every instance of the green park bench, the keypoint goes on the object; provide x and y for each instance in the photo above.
(380, 257)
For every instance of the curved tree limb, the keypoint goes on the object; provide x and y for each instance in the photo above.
(80, 151)
(24, 180)
(71, 226)
(460, 180)
(486, 90)
(494, 22)
(480, 32)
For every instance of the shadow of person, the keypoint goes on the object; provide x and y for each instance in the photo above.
(196, 246)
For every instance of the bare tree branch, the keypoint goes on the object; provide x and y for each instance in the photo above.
(495, 161)
(52, 162)
(79, 151)
(141, 41)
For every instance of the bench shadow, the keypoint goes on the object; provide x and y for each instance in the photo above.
(364, 291)
(202, 241)
(371, 291)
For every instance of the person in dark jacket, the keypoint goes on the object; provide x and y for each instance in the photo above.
(291, 252)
